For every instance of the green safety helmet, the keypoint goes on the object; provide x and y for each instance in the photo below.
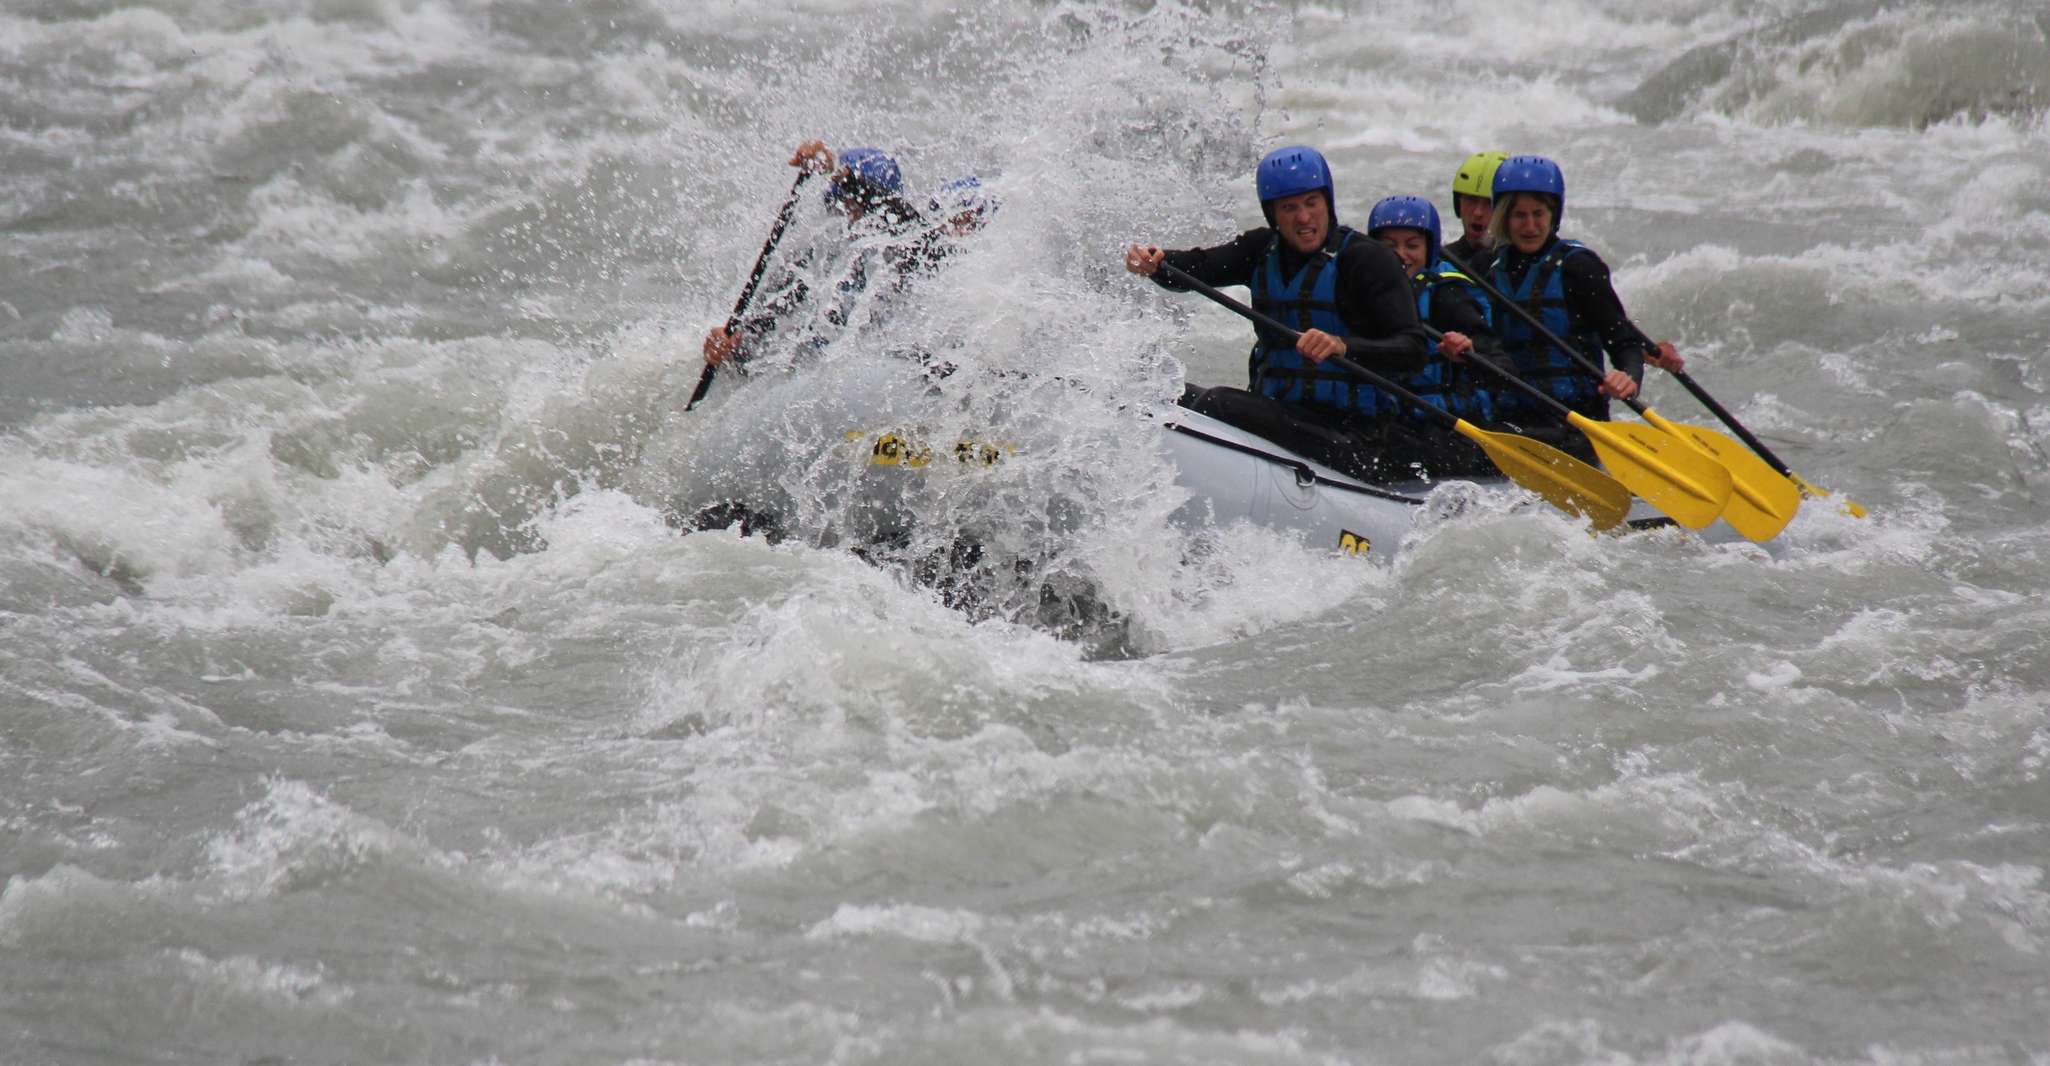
(1476, 176)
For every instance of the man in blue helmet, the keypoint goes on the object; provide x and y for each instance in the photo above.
(866, 190)
(1345, 294)
(1564, 284)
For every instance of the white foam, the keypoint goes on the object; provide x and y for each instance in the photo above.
(774, 721)
(294, 838)
(924, 924)
(50, 902)
(1733, 1043)
(271, 983)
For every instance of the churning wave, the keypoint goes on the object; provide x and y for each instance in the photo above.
(1862, 64)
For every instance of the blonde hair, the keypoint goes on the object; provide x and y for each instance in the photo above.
(1498, 226)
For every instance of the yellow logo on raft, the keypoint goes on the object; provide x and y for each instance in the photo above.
(891, 449)
(1352, 543)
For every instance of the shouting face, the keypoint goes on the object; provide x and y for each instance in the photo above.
(1474, 214)
(1304, 220)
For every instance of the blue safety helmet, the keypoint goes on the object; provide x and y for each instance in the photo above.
(871, 176)
(964, 195)
(1532, 173)
(1292, 171)
(1407, 212)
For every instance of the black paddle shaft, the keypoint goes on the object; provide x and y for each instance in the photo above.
(754, 280)
(1353, 368)
(1339, 361)
(1730, 420)
(1531, 320)
(1701, 394)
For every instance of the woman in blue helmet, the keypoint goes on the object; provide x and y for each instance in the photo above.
(867, 190)
(1566, 286)
(1345, 294)
(1447, 300)
(1451, 302)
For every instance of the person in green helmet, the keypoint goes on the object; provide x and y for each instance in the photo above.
(1473, 203)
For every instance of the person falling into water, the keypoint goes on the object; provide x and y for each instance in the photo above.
(1346, 294)
(867, 191)
(1565, 285)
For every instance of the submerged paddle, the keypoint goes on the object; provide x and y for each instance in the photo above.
(754, 278)
(1762, 500)
(1557, 478)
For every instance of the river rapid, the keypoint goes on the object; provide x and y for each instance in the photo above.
(363, 701)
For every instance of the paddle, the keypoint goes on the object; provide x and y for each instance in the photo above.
(1762, 500)
(1557, 478)
(1691, 488)
(754, 278)
(1808, 488)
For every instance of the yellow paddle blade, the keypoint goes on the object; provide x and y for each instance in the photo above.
(1687, 486)
(1761, 501)
(1559, 479)
(1816, 492)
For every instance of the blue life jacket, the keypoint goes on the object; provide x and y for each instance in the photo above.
(1542, 292)
(1443, 383)
(1307, 301)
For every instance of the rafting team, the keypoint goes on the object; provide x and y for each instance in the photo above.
(1392, 300)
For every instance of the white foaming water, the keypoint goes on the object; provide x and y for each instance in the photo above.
(367, 699)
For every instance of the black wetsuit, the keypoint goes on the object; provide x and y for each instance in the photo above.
(1591, 302)
(1464, 250)
(1374, 299)
(1594, 307)
(908, 252)
(1434, 445)
(1453, 310)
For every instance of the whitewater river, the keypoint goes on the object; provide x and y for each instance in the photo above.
(362, 701)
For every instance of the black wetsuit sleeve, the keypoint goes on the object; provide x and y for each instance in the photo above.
(917, 256)
(1478, 258)
(1223, 264)
(787, 293)
(904, 219)
(786, 300)
(1591, 298)
(1376, 299)
(1453, 310)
